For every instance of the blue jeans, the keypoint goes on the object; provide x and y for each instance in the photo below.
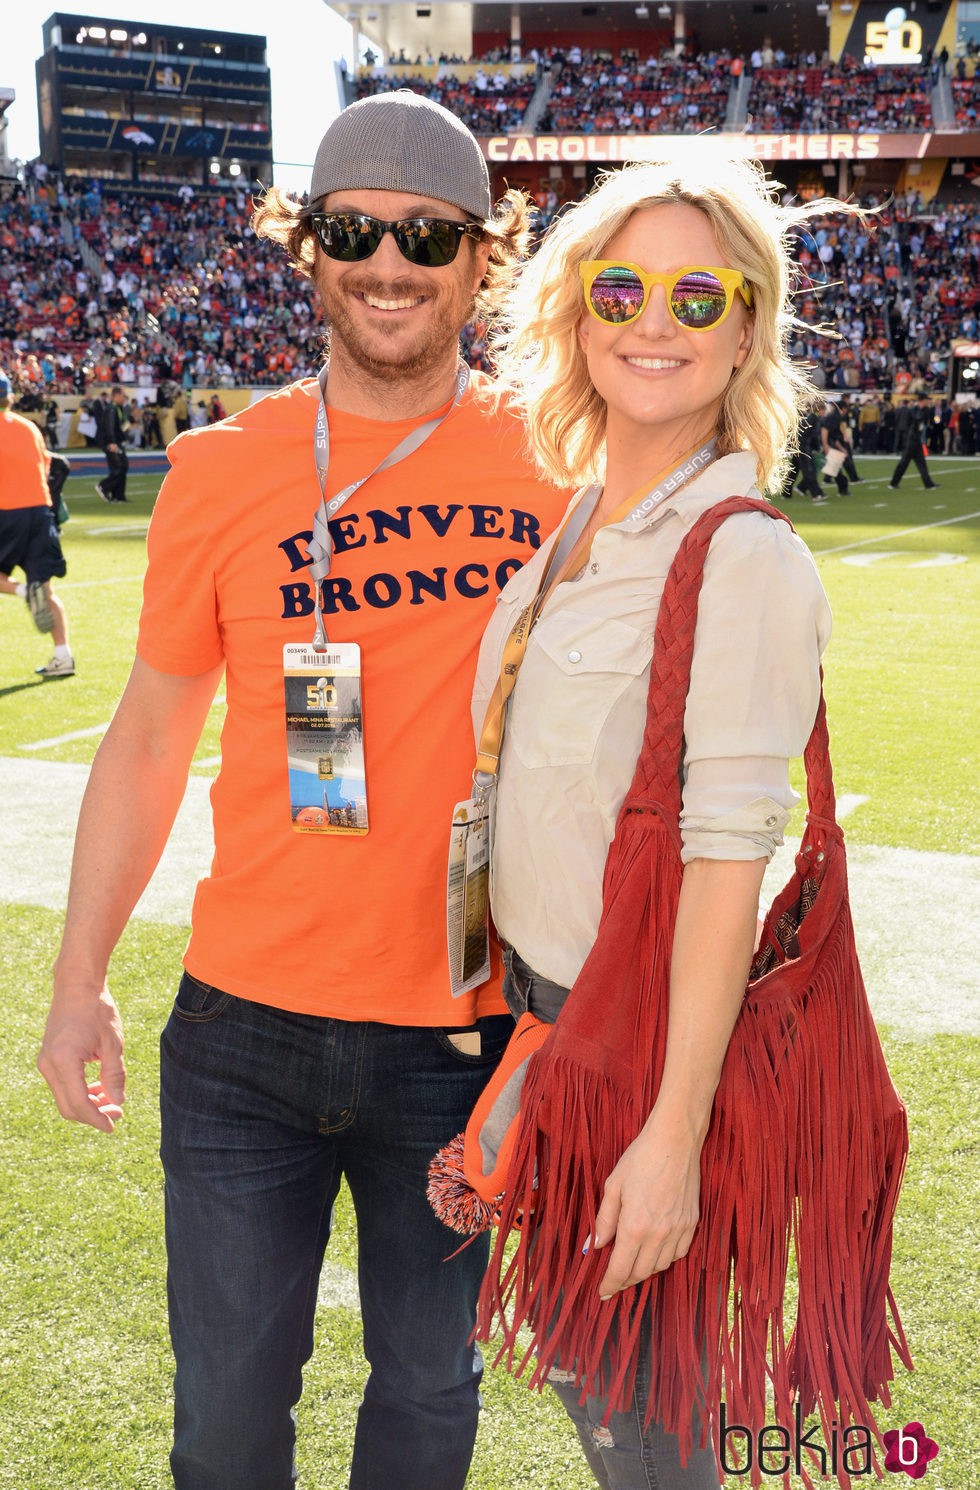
(263, 1111)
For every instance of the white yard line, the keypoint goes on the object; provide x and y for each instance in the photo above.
(41, 801)
(847, 802)
(75, 734)
(118, 530)
(338, 1287)
(100, 729)
(86, 584)
(944, 522)
(914, 912)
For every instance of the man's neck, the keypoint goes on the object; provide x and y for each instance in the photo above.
(354, 389)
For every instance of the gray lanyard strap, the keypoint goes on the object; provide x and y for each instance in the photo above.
(691, 466)
(569, 536)
(321, 545)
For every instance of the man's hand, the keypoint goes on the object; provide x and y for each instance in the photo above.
(79, 1032)
(133, 793)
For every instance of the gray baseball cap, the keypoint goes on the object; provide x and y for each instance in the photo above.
(403, 142)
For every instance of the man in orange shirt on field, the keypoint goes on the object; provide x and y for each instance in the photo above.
(29, 531)
(336, 549)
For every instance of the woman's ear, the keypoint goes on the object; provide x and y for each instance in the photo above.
(745, 339)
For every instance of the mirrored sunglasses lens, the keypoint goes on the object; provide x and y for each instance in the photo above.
(347, 237)
(428, 244)
(616, 295)
(698, 300)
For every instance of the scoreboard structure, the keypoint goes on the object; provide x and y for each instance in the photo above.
(7, 96)
(131, 102)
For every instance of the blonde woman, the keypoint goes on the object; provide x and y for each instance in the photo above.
(647, 345)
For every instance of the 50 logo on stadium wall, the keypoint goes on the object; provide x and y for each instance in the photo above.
(895, 40)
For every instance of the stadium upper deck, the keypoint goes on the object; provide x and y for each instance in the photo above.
(848, 95)
(146, 280)
(131, 101)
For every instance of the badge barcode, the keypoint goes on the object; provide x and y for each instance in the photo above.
(323, 659)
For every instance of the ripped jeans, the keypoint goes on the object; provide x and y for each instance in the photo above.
(621, 1455)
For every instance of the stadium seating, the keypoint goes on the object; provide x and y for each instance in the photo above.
(97, 285)
(843, 96)
(623, 94)
(106, 284)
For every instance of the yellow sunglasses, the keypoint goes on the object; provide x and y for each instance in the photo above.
(698, 298)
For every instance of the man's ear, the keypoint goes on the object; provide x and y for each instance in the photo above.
(481, 259)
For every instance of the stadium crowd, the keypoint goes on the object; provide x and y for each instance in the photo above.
(100, 285)
(589, 92)
(492, 102)
(838, 96)
(966, 100)
(601, 93)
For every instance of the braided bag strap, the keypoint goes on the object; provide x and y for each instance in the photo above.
(657, 775)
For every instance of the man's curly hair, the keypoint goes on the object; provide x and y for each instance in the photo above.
(285, 220)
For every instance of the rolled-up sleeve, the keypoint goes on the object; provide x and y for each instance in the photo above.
(763, 624)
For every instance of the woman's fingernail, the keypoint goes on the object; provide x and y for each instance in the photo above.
(587, 1244)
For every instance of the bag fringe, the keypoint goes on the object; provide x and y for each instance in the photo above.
(805, 1150)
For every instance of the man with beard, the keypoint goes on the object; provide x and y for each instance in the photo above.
(336, 550)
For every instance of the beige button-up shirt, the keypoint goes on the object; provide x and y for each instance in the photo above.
(575, 719)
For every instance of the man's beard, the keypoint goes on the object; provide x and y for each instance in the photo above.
(407, 359)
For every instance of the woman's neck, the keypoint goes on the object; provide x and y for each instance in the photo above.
(637, 457)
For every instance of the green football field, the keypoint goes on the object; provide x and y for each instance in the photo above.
(84, 1360)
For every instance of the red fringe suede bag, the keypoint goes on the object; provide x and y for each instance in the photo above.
(806, 1147)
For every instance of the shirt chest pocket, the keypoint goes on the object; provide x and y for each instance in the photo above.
(576, 671)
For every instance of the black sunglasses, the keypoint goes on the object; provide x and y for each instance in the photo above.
(430, 242)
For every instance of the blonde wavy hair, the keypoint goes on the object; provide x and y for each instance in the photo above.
(284, 219)
(540, 361)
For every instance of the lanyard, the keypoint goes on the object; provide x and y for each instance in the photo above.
(492, 734)
(321, 544)
(641, 504)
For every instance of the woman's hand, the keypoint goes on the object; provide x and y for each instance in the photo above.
(650, 1203)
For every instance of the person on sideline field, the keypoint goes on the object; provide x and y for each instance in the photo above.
(112, 422)
(29, 531)
(337, 549)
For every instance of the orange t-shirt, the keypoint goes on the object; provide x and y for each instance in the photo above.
(24, 462)
(350, 927)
